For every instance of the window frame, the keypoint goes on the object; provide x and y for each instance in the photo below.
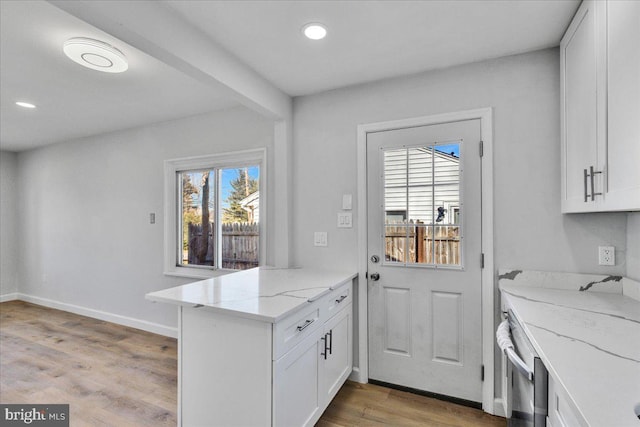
(173, 202)
(433, 184)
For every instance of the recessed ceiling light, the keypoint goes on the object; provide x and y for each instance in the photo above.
(96, 55)
(314, 31)
(25, 104)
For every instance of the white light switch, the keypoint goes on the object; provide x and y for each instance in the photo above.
(346, 202)
(345, 220)
(320, 238)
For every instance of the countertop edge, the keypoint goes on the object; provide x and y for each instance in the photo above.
(344, 279)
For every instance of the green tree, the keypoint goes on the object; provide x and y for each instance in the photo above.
(242, 186)
(190, 213)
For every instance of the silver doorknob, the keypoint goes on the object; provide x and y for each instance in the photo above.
(375, 276)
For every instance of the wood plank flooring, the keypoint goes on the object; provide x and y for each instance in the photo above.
(371, 405)
(112, 375)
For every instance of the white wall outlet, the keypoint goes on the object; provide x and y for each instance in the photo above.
(345, 220)
(606, 255)
(320, 238)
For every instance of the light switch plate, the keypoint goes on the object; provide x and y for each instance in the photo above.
(345, 220)
(320, 238)
(347, 202)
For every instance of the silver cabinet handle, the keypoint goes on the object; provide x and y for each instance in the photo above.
(306, 325)
(519, 363)
(324, 338)
(593, 193)
(586, 196)
(342, 298)
(331, 341)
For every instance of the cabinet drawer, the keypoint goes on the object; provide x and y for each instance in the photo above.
(336, 300)
(295, 328)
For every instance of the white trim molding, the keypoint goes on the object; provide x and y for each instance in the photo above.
(9, 297)
(131, 322)
(485, 115)
(221, 160)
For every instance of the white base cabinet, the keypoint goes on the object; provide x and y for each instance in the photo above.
(241, 372)
(561, 411)
(308, 377)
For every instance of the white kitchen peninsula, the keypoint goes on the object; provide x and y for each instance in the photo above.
(262, 347)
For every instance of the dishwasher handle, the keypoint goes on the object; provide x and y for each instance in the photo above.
(503, 338)
(519, 363)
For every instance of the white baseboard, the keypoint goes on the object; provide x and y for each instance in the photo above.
(498, 407)
(102, 315)
(356, 376)
(9, 297)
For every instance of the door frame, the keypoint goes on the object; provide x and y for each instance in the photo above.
(361, 373)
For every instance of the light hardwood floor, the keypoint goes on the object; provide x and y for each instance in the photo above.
(112, 375)
(371, 405)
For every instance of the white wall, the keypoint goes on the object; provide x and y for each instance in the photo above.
(530, 231)
(524, 92)
(633, 246)
(8, 221)
(84, 224)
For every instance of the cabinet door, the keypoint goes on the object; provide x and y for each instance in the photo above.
(580, 120)
(623, 143)
(337, 361)
(561, 411)
(297, 401)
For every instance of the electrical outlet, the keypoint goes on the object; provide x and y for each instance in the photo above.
(606, 255)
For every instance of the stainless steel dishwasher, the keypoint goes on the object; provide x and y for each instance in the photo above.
(525, 394)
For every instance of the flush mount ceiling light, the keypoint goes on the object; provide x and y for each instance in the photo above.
(24, 104)
(314, 31)
(96, 55)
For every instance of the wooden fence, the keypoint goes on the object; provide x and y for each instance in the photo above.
(415, 243)
(240, 245)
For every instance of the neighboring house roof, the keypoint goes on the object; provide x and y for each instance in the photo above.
(251, 204)
(252, 200)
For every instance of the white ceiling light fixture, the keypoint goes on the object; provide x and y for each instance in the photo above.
(24, 104)
(314, 31)
(96, 55)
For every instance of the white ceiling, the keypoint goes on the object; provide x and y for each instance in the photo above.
(373, 40)
(73, 101)
(367, 41)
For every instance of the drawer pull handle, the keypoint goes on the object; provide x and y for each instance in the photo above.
(342, 298)
(306, 324)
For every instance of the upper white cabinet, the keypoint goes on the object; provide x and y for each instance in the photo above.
(600, 108)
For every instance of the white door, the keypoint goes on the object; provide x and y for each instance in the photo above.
(424, 252)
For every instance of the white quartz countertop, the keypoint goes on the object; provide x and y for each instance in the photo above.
(266, 294)
(590, 344)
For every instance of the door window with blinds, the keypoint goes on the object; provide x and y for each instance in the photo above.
(423, 205)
